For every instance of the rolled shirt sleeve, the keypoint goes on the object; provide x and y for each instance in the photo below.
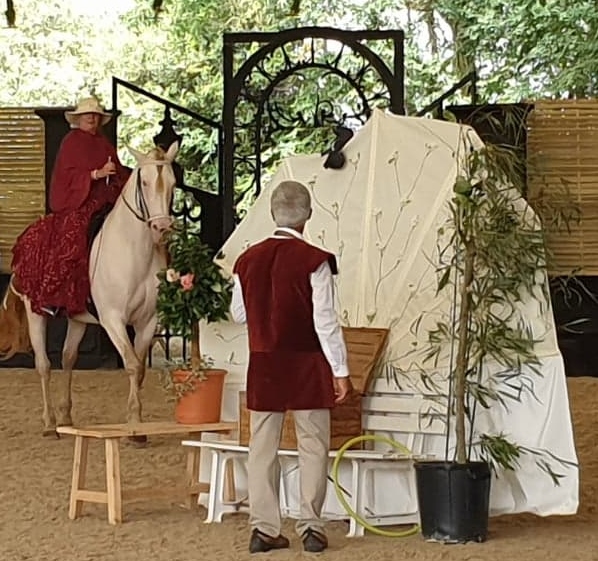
(326, 322)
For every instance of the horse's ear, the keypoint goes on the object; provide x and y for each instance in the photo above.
(139, 156)
(172, 151)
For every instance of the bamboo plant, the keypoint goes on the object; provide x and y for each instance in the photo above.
(495, 261)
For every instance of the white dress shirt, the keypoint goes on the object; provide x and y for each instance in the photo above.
(326, 323)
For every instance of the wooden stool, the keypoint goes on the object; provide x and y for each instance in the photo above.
(114, 495)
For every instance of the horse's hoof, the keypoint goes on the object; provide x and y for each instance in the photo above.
(51, 432)
(139, 441)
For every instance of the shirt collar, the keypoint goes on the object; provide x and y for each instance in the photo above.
(286, 230)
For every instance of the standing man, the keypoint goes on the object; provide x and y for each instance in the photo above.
(284, 290)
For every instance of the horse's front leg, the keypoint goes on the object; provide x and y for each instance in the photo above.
(37, 334)
(70, 350)
(144, 334)
(117, 331)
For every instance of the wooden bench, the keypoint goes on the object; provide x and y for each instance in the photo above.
(410, 417)
(114, 496)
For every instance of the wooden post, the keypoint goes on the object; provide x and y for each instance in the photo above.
(230, 491)
(78, 478)
(192, 476)
(113, 481)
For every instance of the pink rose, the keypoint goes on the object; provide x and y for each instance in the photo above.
(172, 275)
(187, 281)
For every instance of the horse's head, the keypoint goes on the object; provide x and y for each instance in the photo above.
(152, 189)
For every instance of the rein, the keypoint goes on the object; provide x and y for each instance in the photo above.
(11, 288)
(142, 212)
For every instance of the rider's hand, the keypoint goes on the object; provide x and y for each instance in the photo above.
(109, 168)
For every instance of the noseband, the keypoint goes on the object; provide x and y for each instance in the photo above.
(141, 211)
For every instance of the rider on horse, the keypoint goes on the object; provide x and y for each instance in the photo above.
(51, 257)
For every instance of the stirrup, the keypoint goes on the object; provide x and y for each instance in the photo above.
(52, 311)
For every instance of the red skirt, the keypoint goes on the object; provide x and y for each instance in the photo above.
(51, 259)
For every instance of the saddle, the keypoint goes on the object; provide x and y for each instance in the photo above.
(95, 225)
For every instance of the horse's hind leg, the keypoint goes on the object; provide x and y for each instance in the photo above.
(70, 350)
(37, 334)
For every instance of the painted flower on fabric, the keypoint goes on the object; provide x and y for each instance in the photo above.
(187, 281)
(172, 275)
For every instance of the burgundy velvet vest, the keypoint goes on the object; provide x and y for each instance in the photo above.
(287, 368)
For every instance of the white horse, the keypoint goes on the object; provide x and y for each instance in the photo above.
(125, 257)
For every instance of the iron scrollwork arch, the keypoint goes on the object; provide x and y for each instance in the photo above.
(256, 110)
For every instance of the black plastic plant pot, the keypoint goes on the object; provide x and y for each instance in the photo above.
(454, 500)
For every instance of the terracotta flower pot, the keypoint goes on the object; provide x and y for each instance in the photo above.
(202, 404)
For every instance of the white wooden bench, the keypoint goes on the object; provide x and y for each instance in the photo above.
(386, 412)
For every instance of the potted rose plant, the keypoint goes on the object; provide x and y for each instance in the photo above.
(192, 289)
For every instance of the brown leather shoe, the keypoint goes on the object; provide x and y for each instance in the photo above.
(260, 542)
(314, 541)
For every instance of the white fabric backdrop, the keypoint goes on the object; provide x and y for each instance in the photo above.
(385, 215)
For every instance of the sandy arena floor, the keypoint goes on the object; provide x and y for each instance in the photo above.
(35, 474)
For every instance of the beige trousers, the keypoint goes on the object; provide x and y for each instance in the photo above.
(313, 440)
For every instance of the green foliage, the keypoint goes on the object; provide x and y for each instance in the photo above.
(525, 49)
(57, 52)
(521, 50)
(493, 263)
(190, 290)
(193, 287)
(498, 451)
(176, 386)
(493, 279)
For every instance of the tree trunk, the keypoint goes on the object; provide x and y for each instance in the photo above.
(195, 350)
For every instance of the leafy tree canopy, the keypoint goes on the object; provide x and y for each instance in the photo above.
(57, 51)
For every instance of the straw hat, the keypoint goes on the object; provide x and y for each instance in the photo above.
(87, 105)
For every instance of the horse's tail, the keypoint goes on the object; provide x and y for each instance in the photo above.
(14, 329)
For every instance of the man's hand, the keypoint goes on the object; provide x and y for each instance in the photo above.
(343, 388)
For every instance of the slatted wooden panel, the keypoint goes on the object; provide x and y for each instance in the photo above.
(364, 348)
(22, 176)
(563, 149)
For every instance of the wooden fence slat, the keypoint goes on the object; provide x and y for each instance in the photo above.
(562, 146)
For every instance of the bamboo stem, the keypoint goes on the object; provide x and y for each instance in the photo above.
(462, 348)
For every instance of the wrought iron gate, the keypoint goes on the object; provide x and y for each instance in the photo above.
(262, 94)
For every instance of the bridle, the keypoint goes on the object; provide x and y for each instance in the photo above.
(141, 212)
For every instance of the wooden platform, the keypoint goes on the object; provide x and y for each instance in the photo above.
(114, 496)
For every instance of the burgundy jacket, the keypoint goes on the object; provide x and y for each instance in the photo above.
(287, 368)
